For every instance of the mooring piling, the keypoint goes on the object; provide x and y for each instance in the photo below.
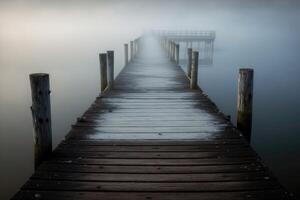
(174, 51)
(189, 62)
(194, 71)
(110, 68)
(126, 54)
(41, 114)
(135, 47)
(131, 51)
(103, 70)
(244, 102)
(177, 53)
(169, 49)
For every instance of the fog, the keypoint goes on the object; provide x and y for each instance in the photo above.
(63, 38)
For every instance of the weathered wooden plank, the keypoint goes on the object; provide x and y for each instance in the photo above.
(129, 169)
(157, 123)
(277, 194)
(156, 148)
(111, 177)
(149, 136)
(155, 142)
(120, 100)
(228, 153)
(244, 162)
(152, 116)
(156, 129)
(150, 187)
(147, 120)
(151, 106)
(153, 110)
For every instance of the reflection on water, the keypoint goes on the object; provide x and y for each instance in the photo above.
(64, 40)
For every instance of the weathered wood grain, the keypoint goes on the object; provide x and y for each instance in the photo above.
(41, 117)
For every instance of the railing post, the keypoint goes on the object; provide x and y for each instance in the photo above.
(110, 66)
(126, 53)
(103, 70)
(131, 51)
(244, 102)
(194, 72)
(189, 62)
(41, 114)
(177, 53)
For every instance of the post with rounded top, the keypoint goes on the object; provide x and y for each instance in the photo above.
(244, 102)
(189, 62)
(194, 71)
(177, 53)
(103, 70)
(110, 66)
(41, 115)
(131, 51)
(126, 53)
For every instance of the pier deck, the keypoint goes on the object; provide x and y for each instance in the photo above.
(151, 137)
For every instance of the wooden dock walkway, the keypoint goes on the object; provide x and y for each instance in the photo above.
(151, 137)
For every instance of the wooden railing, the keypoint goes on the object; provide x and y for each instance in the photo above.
(185, 33)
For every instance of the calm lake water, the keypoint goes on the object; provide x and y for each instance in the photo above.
(64, 39)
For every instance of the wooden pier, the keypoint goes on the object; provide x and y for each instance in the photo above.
(152, 137)
(202, 41)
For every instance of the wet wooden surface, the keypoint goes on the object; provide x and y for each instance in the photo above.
(152, 137)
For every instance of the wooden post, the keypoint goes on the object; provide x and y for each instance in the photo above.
(169, 49)
(131, 51)
(41, 114)
(244, 102)
(103, 70)
(194, 72)
(174, 51)
(189, 62)
(126, 53)
(177, 53)
(136, 46)
(110, 66)
(133, 47)
(212, 51)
